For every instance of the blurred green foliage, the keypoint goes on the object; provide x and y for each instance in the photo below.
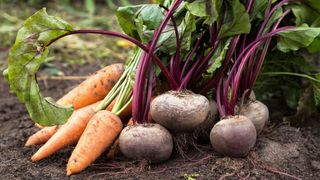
(70, 51)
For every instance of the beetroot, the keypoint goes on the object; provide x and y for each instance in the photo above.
(233, 136)
(146, 141)
(257, 112)
(180, 111)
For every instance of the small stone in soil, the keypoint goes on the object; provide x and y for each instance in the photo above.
(315, 165)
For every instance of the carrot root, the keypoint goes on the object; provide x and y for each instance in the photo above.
(94, 88)
(100, 133)
(42, 136)
(67, 134)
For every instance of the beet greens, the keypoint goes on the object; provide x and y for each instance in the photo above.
(209, 47)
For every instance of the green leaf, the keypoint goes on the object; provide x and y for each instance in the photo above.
(237, 20)
(314, 46)
(207, 9)
(313, 4)
(167, 40)
(218, 57)
(136, 19)
(198, 8)
(141, 21)
(25, 58)
(294, 39)
(305, 13)
(258, 9)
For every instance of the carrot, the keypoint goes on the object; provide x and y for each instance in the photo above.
(42, 135)
(94, 88)
(115, 149)
(67, 134)
(100, 133)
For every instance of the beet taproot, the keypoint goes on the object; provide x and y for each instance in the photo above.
(233, 136)
(180, 111)
(146, 141)
(257, 112)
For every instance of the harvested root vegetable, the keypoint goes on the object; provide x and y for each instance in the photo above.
(233, 136)
(94, 88)
(203, 130)
(146, 141)
(100, 133)
(257, 112)
(67, 134)
(42, 136)
(180, 111)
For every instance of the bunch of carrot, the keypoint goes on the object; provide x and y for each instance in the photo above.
(85, 126)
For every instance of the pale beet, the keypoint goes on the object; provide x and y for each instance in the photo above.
(146, 141)
(233, 136)
(257, 112)
(180, 111)
(203, 130)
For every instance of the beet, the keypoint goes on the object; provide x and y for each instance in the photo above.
(180, 111)
(233, 136)
(146, 141)
(257, 112)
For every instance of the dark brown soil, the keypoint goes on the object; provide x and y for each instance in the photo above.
(281, 152)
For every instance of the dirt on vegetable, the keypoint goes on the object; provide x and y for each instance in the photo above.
(281, 152)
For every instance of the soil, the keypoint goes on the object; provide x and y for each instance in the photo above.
(281, 152)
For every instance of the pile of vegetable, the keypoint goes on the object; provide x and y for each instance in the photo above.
(192, 60)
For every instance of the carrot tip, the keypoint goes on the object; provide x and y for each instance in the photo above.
(34, 158)
(69, 173)
(28, 143)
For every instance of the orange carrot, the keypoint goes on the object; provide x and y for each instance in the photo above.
(42, 135)
(94, 88)
(67, 134)
(100, 133)
(115, 149)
